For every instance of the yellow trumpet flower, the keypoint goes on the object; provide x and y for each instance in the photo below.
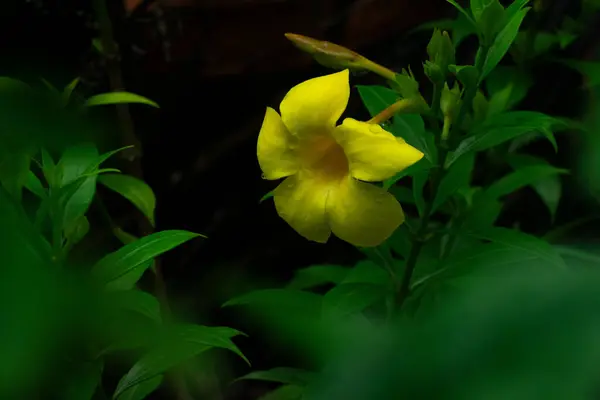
(326, 166)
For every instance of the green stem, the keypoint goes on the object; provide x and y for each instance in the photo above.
(436, 178)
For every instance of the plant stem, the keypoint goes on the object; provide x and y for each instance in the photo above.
(110, 51)
(436, 178)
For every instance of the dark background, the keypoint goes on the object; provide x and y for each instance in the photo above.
(213, 66)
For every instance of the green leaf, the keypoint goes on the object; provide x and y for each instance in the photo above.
(503, 41)
(287, 392)
(492, 20)
(549, 189)
(483, 212)
(410, 127)
(34, 185)
(419, 180)
(184, 343)
(74, 163)
(290, 301)
(590, 69)
(77, 230)
(515, 7)
(292, 376)
(133, 255)
(142, 390)
(138, 302)
(68, 91)
(367, 271)
(503, 127)
(522, 177)
(317, 275)
(14, 172)
(134, 190)
(350, 298)
(463, 12)
(457, 177)
(118, 98)
(421, 165)
(48, 168)
(83, 384)
(507, 86)
(466, 74)
(477, 7)
(527, 244)
(266, 196)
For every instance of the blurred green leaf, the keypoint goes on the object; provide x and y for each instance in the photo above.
(507, 86)
(136, 301)
(68, 91)
(82, 385)
(118, 98)
(130, 256)
(589, 69)
(317, 275)
(457, 177)
(350, 298)
(503, 127)
(14, 171)
(410, 127)
(549, 189)
(134, 190)
(528, 244)
(522, 177)
(34, 185)
(293, 376)
(287, 300)
(183, 343)
(74, 162)
(286, 392)
(77, 230)
(420, 178)
(503, 41)
(483, 212)
(142, 390)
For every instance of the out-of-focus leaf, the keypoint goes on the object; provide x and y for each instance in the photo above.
(549, 189)
(184, 343)
(142, 390)
(133, 255)
(292, 376)
(118, 98)
(590, 69)
(34, 185)
(136, 301)
(522, 177)
(82, 385)
(458, 177)
(134, 190)
(317, 275)
(286, 392)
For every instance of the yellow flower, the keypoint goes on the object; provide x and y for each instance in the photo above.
(325, 165)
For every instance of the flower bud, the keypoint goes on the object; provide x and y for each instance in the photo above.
(450, 102)
(441, 54)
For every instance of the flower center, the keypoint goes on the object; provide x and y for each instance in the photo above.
(324, 157)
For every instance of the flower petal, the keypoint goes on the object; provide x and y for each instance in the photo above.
(274, 148)
(363, 214)
(301, 202)
(316, 104)
(373, 153)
